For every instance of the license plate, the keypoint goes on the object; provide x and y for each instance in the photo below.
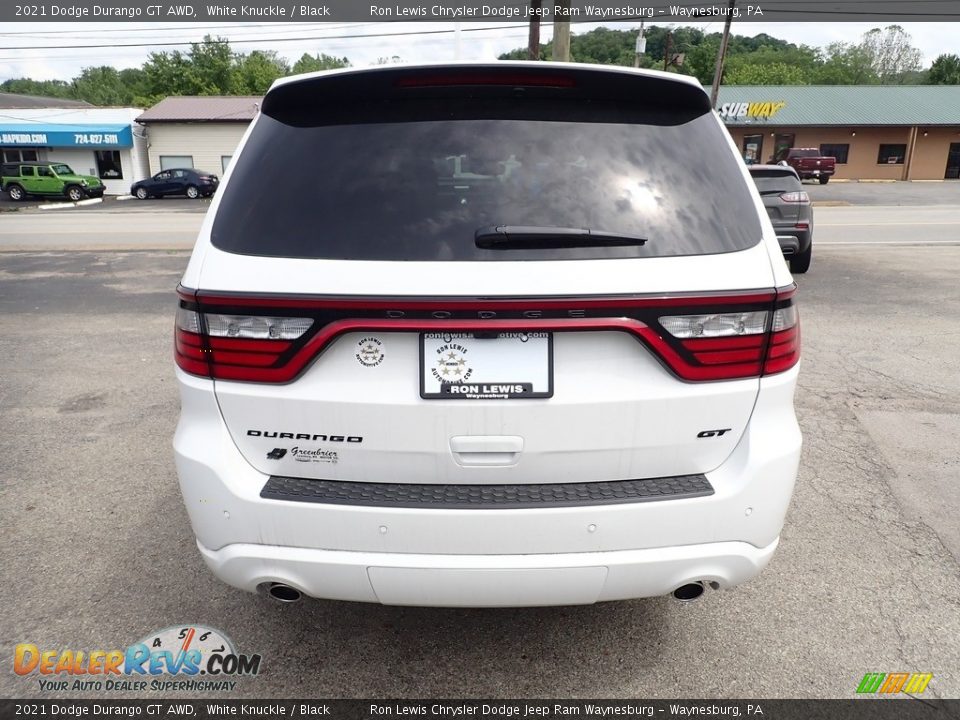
(486, 366)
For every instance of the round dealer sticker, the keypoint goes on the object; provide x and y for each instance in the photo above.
(370, 351)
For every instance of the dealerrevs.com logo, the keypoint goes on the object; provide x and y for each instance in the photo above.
(186, 657)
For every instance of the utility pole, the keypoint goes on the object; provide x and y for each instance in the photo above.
(641, 47)
(666, 51)
(721, 56)
(561, 31)
(533, 42)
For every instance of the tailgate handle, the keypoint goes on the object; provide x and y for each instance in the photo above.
(486, 449)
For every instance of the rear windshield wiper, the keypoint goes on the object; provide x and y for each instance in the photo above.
(533, 237)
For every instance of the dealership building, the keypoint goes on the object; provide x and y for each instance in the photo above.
(876, 132)
(106, 142)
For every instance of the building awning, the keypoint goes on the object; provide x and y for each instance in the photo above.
(49, 135)
(840, 105)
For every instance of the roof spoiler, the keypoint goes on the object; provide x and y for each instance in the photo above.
(295, 100)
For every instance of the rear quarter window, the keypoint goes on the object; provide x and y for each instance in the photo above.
(415, 181)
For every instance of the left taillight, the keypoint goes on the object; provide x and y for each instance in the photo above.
(231, 346)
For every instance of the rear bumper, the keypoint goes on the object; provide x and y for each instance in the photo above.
(487, 580)
(805, 237)
(488, 557)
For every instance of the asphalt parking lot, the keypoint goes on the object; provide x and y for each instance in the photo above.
(99, 551)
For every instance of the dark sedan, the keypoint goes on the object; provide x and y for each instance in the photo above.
(790, 211)
(176, 181)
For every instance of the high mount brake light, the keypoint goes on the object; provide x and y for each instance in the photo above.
(461, 79)
(697, 338)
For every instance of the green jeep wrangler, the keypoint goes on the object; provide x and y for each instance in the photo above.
(19, 180)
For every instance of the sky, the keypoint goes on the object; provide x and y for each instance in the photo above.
(430, 42)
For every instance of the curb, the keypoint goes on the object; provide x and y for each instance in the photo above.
(79, 203)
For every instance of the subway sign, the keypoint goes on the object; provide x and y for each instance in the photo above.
(750, 111)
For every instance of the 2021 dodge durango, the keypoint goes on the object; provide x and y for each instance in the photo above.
(487, 335)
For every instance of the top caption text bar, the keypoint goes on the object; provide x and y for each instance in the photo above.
(491, 11)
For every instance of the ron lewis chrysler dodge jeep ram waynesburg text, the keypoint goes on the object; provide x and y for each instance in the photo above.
(487, 335)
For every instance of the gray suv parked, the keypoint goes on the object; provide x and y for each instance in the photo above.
(790, 211)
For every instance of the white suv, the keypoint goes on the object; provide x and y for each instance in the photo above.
(487, 335)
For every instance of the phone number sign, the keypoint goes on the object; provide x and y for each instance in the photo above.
(18, 136)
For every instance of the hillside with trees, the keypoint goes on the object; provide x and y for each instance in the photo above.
(211, 67)
(883, 56)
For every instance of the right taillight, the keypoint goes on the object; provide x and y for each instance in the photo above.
(783, 352)
(729, 345)
(795, 197)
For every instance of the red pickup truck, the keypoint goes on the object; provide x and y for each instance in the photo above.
(809, 163)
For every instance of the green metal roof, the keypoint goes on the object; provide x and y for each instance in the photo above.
(843, 105)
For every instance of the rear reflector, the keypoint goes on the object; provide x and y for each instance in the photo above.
(271, 339)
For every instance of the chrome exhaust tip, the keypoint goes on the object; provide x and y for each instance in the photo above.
(689, 592)
(284, 593)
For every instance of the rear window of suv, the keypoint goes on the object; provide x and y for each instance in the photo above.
(416, 181)
(775, 181)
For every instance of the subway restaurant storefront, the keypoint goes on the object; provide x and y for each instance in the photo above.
(92, 141)
(875, 132)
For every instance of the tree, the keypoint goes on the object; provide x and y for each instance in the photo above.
(253, 74)
(777, 73)
(603, 46)
(206, 70)
(780, 64)
(212, 65)
(891, 54)
(845, 64)
(101, 86)
(320, 61)
(135, 80)
(44, 88)
(945, 71)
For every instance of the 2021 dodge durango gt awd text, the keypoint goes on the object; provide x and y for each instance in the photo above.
(487, 335)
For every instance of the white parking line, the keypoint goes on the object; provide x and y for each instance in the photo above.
(886, 224)
(914, 243)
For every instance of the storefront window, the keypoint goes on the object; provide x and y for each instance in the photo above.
(27, 155)
(891, 154)
(839, 152)
(169, 162)
(108, 165)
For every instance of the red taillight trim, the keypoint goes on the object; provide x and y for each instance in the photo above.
(246, 345)
(280, 361)
(189, 354)
(724, 343)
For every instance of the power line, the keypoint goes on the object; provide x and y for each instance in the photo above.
(180, 28)
(263, 40)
